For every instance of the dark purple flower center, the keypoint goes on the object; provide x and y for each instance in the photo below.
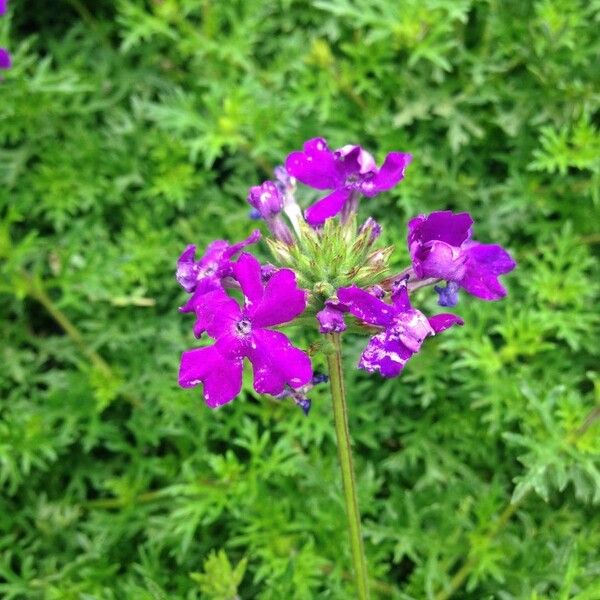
(243, 327)
(207, 271)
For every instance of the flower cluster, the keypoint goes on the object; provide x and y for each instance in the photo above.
(5, 60)
(328, 273)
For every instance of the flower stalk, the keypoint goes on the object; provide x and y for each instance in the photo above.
(340, 416)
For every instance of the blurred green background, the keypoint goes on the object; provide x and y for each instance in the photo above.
(132, 128)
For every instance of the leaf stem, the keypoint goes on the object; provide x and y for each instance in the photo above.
(36, 290)
(460, 576)
(340, 416)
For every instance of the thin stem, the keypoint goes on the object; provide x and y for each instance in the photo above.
(340, 416)
(460, 576)
(37, 291)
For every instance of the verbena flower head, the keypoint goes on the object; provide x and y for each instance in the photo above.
(243, 331)
(206, 274)
(3, 7)
(441, 247)
(403, 328)
(331, 273)
(348, 172)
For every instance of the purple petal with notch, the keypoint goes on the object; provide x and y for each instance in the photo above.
(218, 367)
(327, 207)
(247, 271)
(281, 302)
(366, 307)
(277, 363)
(444, 321)
(314, 166)
(391, 172)
(485, 262)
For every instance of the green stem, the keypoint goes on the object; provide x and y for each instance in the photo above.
(460, 576)
(36, 290)
(340, 416)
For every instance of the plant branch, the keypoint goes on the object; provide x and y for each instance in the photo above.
(460, 576)
(36, 290)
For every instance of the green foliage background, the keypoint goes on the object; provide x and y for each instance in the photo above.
(131, 128)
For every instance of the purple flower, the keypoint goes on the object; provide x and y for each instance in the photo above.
(404, 328)
(3, 7)
(440, 246)
(348, 172)
(268, 202)
(371, 226)
(331, 318)
(266, 199)
(205, 275)
(243, 332)
(5, 60)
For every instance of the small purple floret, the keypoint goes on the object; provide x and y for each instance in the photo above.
(373, 226)
(304, 403)
(448, 296)
(331, 318)
(206, 274)
(403, 328)
(3, 7)
(243, 332)
(319, 378)
(266, 199)
(441, 247)
(348, 172)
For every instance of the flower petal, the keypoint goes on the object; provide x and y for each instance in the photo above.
(444, 321)
(277, 363)
(331, 319)
(390, 173)
(388, 356)
(485, 262)
(281, 302)
(315, 166)
(350, 162)
(218, 367)
(247, 272)
(216, 313)
(187, 269)
(454, 229)
(448, 296)
(366, 307)
(327, 207)
(235, 248)
(440, 260)
(203, 287)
